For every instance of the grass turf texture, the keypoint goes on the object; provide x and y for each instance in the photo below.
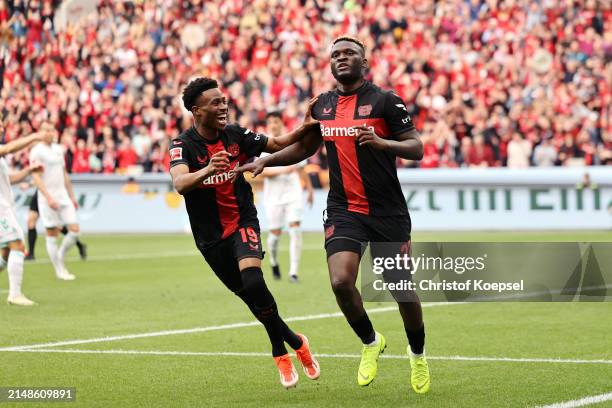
(166, 285)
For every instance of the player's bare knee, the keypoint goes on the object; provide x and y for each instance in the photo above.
(16, 246)
(342, 285)
(52, 232)
(294, 224)
(74, 228)
(276, 232)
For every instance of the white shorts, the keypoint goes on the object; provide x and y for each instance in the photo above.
(65, 215)
(10, 230)
(280, 215)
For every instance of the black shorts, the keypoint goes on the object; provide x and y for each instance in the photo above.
(348, 231)
(34, 201)
(224, 256)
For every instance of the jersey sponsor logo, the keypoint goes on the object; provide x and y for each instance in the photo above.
(233, 149)
(176, 153)
(177, 142)
(327, 111)
(406, 120)
(218, 179)
(341, 131)
(364, 110)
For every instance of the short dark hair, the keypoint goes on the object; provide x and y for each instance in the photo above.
(350, 39)
(274, 114)
(195, 89)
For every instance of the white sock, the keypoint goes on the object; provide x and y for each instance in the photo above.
(69, 241)
(51, 243)
(2, 263)
(376, 339)
(295, 249)
(15, 272)
(273, 248)
(417, 355)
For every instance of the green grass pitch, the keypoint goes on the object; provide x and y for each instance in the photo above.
(144, 284)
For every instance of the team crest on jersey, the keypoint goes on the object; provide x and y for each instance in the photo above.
(329, 231)
(327, 111)
(176, 153)
(202, 160)
(364, 110)
(233, 149)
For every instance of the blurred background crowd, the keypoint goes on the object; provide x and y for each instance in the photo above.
(492, 83)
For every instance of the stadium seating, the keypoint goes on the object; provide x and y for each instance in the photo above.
(488, 83)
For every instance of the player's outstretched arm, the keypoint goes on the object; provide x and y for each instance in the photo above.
(293, 154)
(277, 143)
(184, 181)
(20, 144)
(18, 176)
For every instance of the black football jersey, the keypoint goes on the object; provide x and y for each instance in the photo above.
(362, 179)
(218, 206)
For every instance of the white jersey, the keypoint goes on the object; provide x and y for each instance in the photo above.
(52, 159)
(283, 188)
(6, 193)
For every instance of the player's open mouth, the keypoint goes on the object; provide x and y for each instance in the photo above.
(342, 67)
(222, 119)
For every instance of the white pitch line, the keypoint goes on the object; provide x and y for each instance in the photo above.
(200, 329)
(145, 255)
(322, 355)
(595, 399)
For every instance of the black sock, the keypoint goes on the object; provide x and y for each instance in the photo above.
(262, 304)
(293, 340)
(416, 339)
(364, 329)
(65, 230)
(79, 245)
(32, 235)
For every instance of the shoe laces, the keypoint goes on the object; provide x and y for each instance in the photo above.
(420, 370)
(368, 363)
(304, 355)
(284, 366)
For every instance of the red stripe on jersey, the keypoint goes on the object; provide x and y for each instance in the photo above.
(347, 159)
(229, 213)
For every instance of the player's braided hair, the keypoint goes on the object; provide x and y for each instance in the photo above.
(351, 39)
(195, 89)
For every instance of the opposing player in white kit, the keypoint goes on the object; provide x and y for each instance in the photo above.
(284, 203)
(11, 236)
(56, 201)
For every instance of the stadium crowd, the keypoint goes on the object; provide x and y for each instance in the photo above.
(512, 83)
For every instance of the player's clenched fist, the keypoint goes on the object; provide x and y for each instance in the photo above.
(367, 137)
(219, 162)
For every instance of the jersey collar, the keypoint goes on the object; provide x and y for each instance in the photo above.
(196, 137)
(356, 91)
